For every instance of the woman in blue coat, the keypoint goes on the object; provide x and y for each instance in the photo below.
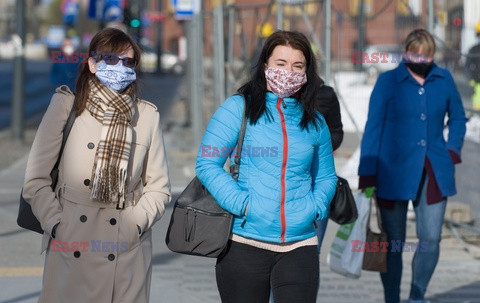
(405, 156)
(286, 180)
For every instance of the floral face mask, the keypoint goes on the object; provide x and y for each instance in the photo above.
(284, 83)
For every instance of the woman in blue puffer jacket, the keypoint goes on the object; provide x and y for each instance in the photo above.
(286, 181)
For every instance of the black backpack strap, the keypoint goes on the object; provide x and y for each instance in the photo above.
(66, 131)
(235, 169)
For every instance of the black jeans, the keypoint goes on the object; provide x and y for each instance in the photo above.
(247, 274)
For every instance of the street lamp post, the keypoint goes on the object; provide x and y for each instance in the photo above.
(19, 74)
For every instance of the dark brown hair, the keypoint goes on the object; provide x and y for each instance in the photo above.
(255, 90)
(106, 41)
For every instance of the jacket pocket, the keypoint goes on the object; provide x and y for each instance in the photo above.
(128, 230)
(307, 211)
(314, 210)
(248, 216)
(62, 232)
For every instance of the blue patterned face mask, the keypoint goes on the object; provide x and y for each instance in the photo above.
(116, 77)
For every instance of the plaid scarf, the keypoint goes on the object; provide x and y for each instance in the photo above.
(115, 112)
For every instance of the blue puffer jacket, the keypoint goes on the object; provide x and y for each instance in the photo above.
(287, 175)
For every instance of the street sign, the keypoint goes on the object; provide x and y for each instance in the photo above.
(184, 9)
(106, 10)
(70, 13)
(95, 9)
(113, 11)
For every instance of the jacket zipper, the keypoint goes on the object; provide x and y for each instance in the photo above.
(280, 102)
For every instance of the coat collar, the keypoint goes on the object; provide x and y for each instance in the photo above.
(403, 73)
(272, 98)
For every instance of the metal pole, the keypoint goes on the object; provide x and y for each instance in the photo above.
(430, 16)
(195, 75)
(231, 38)
(218, 56)
(99, 8)
(328, 32)
(19, 75)
(361, 31)
(141, 8)
(339, 41)
(312, 31)
(279, 14)
(159, 39)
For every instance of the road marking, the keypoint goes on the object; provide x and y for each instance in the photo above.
(21, 271)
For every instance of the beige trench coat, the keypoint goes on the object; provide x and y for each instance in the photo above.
(98, 254)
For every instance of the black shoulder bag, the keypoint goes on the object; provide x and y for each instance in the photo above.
(26, 218)
(198, 225)
(343, 209)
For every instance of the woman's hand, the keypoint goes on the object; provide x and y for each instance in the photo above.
(54, 229)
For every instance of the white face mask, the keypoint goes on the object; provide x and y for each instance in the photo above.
(284, 83)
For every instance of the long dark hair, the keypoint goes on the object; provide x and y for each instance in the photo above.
(256, 88)
(106, 41)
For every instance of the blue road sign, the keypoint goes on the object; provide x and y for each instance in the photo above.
(95, 9)
(184, 9)
(70, 13)
(113, 11)
(106, 10)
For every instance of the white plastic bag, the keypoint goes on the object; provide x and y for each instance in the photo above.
(342, 258)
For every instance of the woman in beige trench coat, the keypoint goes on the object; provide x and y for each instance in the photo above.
(113, 183)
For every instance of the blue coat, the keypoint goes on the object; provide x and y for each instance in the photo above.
(405, 124)
(287, 175)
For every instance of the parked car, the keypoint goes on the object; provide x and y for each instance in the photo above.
(170, 63)
(33, 50)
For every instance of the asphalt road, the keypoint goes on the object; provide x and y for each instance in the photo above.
(158, 89)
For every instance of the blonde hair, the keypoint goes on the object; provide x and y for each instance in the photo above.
(419, 38)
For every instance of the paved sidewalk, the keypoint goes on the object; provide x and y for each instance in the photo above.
(180, 278)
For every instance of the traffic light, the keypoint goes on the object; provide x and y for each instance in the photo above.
(135, 23)
(129, 19)
(457, 21)
(456, 18)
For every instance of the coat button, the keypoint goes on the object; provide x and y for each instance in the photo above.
(113, 221)
(111, 257)
(90, 145)
(83, 218)
(423, 117)
(421, 91)
(86, 182)
(76, 254)
(423, 142)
